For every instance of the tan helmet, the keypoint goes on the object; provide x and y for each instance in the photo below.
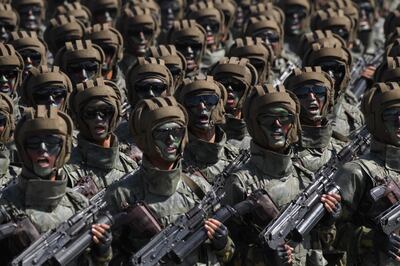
(62, 29)
(392, 36)
(228, 7)
(313, 74)
(103, 34)
(268, 10)
(75, 9)
(152, 5)
(98, 5)
(393, 49)
(148, 68)
(44, 120)
(11, 58)
(318, 36)
(254, 49)
(285, 4)
(240, 69)
(388, 70)
(44, 76)
(201, 84)
(99, 89)
(7, 110)
(151, 113)
(350, 8)
(330, 18)
(263, 22)
(172, 58)
(380, 97)
(333, 52)
(9, 16)
(28, 40)
(262, 96)
(79, 51)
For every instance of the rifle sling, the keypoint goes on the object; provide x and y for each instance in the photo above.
(193, 186)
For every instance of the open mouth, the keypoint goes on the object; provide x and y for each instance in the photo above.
(191, 64)
(313, 109)
(170, 150)
(100, 129)
(5, 88)
(277, 135)
(210, 39)
(231, 99)
(364, 26)
(30, 24)
(203, 119)
(43, 162)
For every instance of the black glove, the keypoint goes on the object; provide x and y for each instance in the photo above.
(389, 244)
(220, 237)
(103, 247)
(284, 253)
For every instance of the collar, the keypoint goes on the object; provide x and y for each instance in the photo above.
(207, 153)
(97, 156)
(270, 163)
(41, 194)
(161, 182)
(389, 154)
(235, 128)
(315, 137)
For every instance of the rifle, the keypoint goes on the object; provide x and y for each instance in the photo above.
(389, 220)
(303, 213)
(285, 74)
(189, 223)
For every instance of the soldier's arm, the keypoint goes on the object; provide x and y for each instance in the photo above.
(235, 190)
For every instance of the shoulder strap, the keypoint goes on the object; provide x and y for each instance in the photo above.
(193, 186)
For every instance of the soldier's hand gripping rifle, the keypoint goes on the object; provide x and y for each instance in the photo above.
(302, 214)
(189, 223)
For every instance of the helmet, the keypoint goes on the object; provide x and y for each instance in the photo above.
(11, 58)
(28, 40)
(388, 70)
(7, 110)
(75, 9)
(104, 35)
(318, 36)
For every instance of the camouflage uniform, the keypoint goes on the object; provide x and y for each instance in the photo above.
(275, 173)
(103, 165)
(165, 191)
(357, 227)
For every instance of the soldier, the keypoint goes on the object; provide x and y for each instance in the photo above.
(336, 61)
(31, 13)
(170, 11)
(272, 116)
(7, 125)
(228, 7)
(189, 38)
(140, 29)
(358, 234)
(160, 127)
(11, 68)
(258, 53)
(96, 161)
(318, 142)
(237, 76)
(112, 44)
(104, 11)
(32, 49)
(9, 22)
(46, 86)
(81, 60)
(208, 150)
(41, 197)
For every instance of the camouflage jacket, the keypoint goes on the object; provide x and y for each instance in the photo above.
(348, 117)
(8, 172)
(210, 58)
(104, 166)
(236, 132)
(356, 226)
(127, 144)
(209, 158)
(283, 180)
(167, 196)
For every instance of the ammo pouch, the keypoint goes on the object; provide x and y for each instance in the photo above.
(265, 208)
(24, 235)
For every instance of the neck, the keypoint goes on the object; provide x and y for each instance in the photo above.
(206, 135)
(161, 163)
(106, 143)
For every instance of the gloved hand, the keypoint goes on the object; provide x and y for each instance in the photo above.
(285, 253)
(102, 237)
(217, 233)
(388, 244)
(332, 204)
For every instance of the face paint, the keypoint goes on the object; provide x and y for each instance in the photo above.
(43, 151)
(168, 138)
(391, 120)
(270, 36)
(342, 32)
(275, 123)
(200, 107)
(151, 87)
(295, 15)
(97, 115)
(312, 99)
(335, 69)
(83, 71)
(8, 80)
(5, 30)
(169, 12)
(191, 50)
(105, 16)
(110, 52)
(235, 89)
(30, 17)
(31, 59)
(50, 95)
(139, 38)
(212, 28)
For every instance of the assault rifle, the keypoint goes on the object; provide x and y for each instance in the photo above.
(186, 225)
(302, 214)
(285, 74)
(389, 220)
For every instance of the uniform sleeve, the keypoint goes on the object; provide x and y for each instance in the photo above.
(235, 191)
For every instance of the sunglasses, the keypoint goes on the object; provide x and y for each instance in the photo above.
(335, 70)
(9, 74)
(155, 87)
(48, 143)
(43, 95)
(89, 66)
(233, 84)
(269, 119)
(390, 115)
(103, 113)
(208, 99)
(175, 133)
(3, 119)
(303, 91)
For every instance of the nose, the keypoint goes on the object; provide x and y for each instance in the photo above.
(201, 106)
(3, 79)
(42, 147)
(277, 123)
(141, 37)
(84, 75)
(107, 17)
(229, 88)
(311, 96)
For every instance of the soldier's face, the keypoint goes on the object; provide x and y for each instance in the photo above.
(391, 120)
(312, 99)
(170, 10)
(51, 94)
(97, 116)
(31, 59)
(366, 16)
(168, 138)
(191, 50)
(150, 88)
(271, 37)
(83, 71)
(295, 16)
(43, 151)
(105, 16)
(236, 89)
(336, 70)
(31, 17)
(212, 27)
(5, 29)
(200, 107)
(275, 123)
(8, 80)
(140, 37)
